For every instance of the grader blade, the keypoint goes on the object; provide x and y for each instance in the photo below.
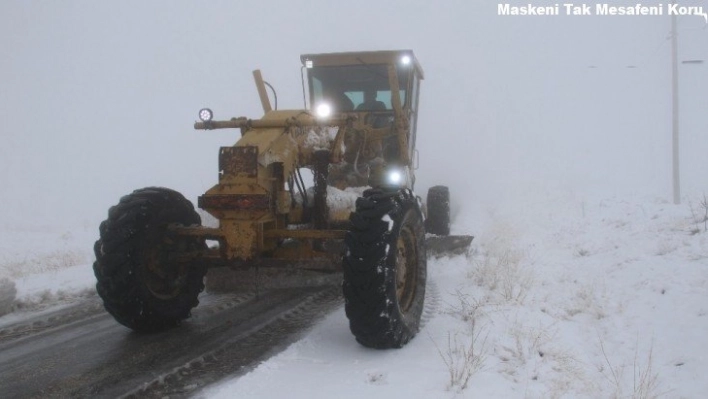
(439, 246)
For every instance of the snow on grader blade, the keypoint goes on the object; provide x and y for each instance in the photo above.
(356, 213)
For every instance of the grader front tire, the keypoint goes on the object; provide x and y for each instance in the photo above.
(385, 269)
(140, 284)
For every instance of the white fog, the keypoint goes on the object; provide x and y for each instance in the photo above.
(99, 99)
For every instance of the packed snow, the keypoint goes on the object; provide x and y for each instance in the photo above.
(601, 297)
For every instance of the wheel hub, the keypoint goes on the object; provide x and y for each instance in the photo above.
(164, 278)
(406, 264)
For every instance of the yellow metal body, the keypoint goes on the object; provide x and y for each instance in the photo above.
(261, 215)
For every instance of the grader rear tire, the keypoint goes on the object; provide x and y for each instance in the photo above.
(385, 269)
(438, 202)
(137, 278)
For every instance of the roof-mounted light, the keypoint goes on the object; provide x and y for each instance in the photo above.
(406, 60)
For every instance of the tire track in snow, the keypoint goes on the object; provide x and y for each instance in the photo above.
(432, 303)
(51, 319)
(239, 354)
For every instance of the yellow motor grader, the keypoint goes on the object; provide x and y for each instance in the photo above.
(355, 139)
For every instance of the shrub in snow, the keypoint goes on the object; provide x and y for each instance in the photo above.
(643, 383)
(7, 295)
(700, 215)
(463, 359)
(501, 270)
(465, 356)
(704, 206)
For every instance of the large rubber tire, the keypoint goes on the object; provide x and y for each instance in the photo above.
(438, 203)
(140, 284)
(385, 268)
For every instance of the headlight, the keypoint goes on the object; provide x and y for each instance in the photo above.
(323, 110)
(394, 177)
(205, 115)
(406, 59)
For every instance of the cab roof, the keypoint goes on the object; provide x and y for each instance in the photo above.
(362, 57)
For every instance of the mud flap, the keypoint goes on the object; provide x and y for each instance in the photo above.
(447, 245)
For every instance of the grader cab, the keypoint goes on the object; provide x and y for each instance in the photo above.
(355, 212)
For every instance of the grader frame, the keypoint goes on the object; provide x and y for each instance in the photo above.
(256, 211)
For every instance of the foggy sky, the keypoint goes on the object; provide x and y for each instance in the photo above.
(99, 98)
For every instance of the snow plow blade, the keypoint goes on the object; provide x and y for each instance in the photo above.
(447, 245)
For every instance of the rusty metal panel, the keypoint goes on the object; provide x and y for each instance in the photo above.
(234, 161)
(234, 201)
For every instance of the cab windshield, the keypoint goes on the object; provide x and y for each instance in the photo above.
(354, 88)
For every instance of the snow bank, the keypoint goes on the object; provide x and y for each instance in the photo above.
(559, 297)
(44, 266)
